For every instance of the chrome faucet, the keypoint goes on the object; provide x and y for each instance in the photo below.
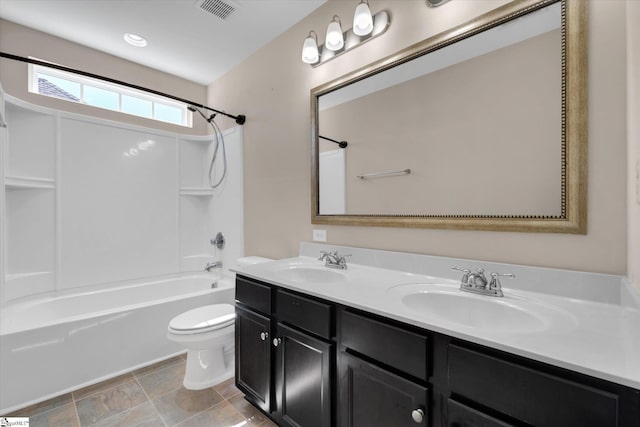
(334, 260)
(211, 265)
(478, 280)
(478, 284)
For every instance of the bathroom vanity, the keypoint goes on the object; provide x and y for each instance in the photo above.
(314, 348)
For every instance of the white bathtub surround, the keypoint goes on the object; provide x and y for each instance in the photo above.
(98, 219)
(50, 345)
(88, 201)
(581, 321)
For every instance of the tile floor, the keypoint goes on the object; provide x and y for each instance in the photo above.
(149, 397)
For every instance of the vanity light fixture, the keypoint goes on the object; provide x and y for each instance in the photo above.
(337, 42)
(362, 19)
(335, 39)
(310, 54)
(135, 40)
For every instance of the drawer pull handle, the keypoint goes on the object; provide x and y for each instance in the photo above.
(277, 341)
(417, 415)
(264, 336)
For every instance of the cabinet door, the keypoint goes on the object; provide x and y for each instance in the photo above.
(303, 379)
(253, 357)
(370, 396)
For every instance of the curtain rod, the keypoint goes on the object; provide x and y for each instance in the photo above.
(240, 119)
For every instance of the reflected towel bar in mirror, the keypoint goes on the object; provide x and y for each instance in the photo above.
(384, 174)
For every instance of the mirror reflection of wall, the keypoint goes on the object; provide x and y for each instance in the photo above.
(481, 132)
(333, 181)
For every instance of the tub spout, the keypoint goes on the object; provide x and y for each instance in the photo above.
(211, 265)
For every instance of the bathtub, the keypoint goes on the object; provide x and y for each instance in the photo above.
(53, 344)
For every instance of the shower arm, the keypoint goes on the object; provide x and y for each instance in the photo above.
(240, 119)
(341, 144)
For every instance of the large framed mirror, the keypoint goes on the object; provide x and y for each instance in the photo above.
(481, 127)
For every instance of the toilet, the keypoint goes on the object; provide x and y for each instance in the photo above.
(208, 334)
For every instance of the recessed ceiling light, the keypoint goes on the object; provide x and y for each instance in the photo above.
(135, 40)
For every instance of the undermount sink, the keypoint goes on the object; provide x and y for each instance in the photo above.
(303, 274)
(507, 314)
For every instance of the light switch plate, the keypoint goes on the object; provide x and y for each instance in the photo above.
(319, 235)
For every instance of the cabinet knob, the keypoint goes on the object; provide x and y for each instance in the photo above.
(277, 341)
(417, 415)
(264, 336)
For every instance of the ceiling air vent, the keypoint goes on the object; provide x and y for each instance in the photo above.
(221, 9)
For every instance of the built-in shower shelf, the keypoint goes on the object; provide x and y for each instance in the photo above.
(199, 256)
(19, 276)
(25, 182)
(196, 191)
(18, 285)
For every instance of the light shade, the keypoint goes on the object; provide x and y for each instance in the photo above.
(310, 54)
(334, 40)
(362, 20)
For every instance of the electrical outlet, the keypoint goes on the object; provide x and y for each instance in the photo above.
(319, 235)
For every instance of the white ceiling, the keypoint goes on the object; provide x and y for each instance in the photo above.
(184, 40)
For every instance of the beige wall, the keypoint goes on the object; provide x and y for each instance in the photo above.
(272, 89)
(481, 137)
(633, 126)
(22, 41)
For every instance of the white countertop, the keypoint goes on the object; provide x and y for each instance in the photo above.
(601, 339)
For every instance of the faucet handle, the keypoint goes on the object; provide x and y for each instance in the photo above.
(495, 282)
(496, 275)
(466, 271)
(323, 255)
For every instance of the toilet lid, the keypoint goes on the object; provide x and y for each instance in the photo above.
(209, 317)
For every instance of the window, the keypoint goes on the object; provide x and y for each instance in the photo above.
(110, 96)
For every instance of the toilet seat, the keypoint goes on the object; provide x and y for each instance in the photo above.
(203, 319)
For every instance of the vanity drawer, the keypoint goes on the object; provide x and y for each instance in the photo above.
(304, 313)
(253, 294)
(401, 349)
(531, 396)
(463, 416)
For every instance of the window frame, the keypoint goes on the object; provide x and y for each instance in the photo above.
(35, 70)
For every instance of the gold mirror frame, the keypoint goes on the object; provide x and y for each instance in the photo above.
(573, 218)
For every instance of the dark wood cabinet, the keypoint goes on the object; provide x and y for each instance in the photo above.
(303, 378)
(253, 357)
(285, 359)
(372, 396)
(307, 362)
(535, 394)
(461, 415)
